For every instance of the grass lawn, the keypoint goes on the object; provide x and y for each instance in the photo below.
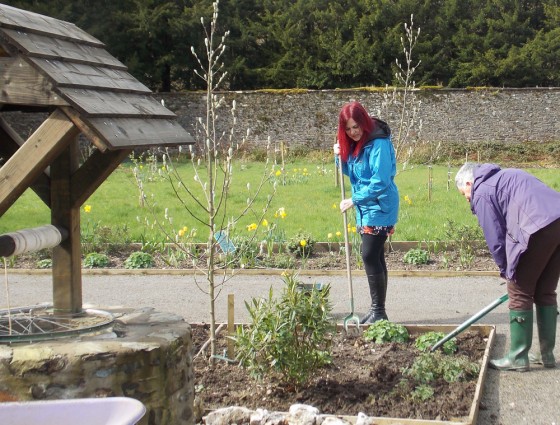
(306, 191)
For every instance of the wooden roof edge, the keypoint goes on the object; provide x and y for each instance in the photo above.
(24, 20)
(16, 46)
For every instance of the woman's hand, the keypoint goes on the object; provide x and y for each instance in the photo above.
(336, 149)
(346, 204)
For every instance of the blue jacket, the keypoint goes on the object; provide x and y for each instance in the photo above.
(372, 173)
(510, 206)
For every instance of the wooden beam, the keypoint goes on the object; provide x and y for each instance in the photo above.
(93, 173)
(27, 164)
(11, 142)
(86, 130)
(67, 261)
(24, 85)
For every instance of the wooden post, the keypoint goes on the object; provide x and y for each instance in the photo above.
(430, 182)
(67, 262)
(231, 326)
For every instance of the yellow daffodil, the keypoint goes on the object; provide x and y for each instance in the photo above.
(338, 234)
(303, 243)
(252, 227)
(181, 233)
(278, 173)
(329, 236)
(334, 206)
(87, 209)
(265, 222)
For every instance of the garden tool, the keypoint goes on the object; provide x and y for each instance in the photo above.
(469, 322)
(352, 317)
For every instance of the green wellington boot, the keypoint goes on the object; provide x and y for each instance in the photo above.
(546, 326)
(521, 330)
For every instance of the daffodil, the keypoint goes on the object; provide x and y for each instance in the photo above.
(252, 227)
(329, 236)
(303, 243)
(278, 173)
(338, 234)
(87, 209)
(265, 222)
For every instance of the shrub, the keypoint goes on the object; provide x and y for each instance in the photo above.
(426, 341)
(289, 336)
(139, 260)
(429, 367)
(45, 263)
(301, 244)
(417, 256)
(95, 259)
(385, 331)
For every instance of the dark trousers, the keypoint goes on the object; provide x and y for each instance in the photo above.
(538, 271)
(373, 254)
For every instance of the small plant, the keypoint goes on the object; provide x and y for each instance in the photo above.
(416, 256)
(422, 393)
(301, 244)
(385, 331)
(290, 336)
(429, 367)
(95, 259)
(45, 263)
(139, 260)
(426, 341)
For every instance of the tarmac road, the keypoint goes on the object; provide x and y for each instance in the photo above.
(508, 398)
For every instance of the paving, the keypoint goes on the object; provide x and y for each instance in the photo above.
(508, 398)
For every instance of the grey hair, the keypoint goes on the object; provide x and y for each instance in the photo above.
(465, 174)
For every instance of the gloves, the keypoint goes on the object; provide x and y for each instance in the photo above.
(336, 149)
(346, 204)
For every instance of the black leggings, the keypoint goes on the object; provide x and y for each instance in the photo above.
(373, 254)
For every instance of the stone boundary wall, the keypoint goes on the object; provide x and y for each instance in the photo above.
(310, 118)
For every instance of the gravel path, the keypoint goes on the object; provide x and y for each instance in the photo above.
(508, 398)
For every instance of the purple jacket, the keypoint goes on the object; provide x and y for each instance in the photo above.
(511, 205)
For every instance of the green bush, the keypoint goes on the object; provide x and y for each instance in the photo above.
(95, 259)
(139, 260)
(416, 256)
(45, 263)
(426, 341)
(385, 331)
(429, 367)
(290, 336)
(301, 244)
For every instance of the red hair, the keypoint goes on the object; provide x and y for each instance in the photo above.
(359, 114)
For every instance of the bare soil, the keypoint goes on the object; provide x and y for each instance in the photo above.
(363, 377)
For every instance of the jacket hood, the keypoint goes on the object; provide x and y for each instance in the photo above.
(381, 130)
(484, 172)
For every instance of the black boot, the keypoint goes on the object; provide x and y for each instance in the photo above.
(378, 292)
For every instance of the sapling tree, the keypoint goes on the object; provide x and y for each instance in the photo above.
(403, 99)
(206, 201)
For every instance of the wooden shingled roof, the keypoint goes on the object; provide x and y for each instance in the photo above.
(47, 63)
(52, 66)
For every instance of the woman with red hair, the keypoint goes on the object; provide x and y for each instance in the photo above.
(367, 156)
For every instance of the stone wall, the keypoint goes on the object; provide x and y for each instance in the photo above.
(310, 118)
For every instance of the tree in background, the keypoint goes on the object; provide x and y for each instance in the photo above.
(324, 45)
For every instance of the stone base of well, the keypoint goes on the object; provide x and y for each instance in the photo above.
(146, 355)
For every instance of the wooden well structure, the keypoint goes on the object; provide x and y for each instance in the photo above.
(52, 66)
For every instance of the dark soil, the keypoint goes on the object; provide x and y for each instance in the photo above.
(363, 377)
